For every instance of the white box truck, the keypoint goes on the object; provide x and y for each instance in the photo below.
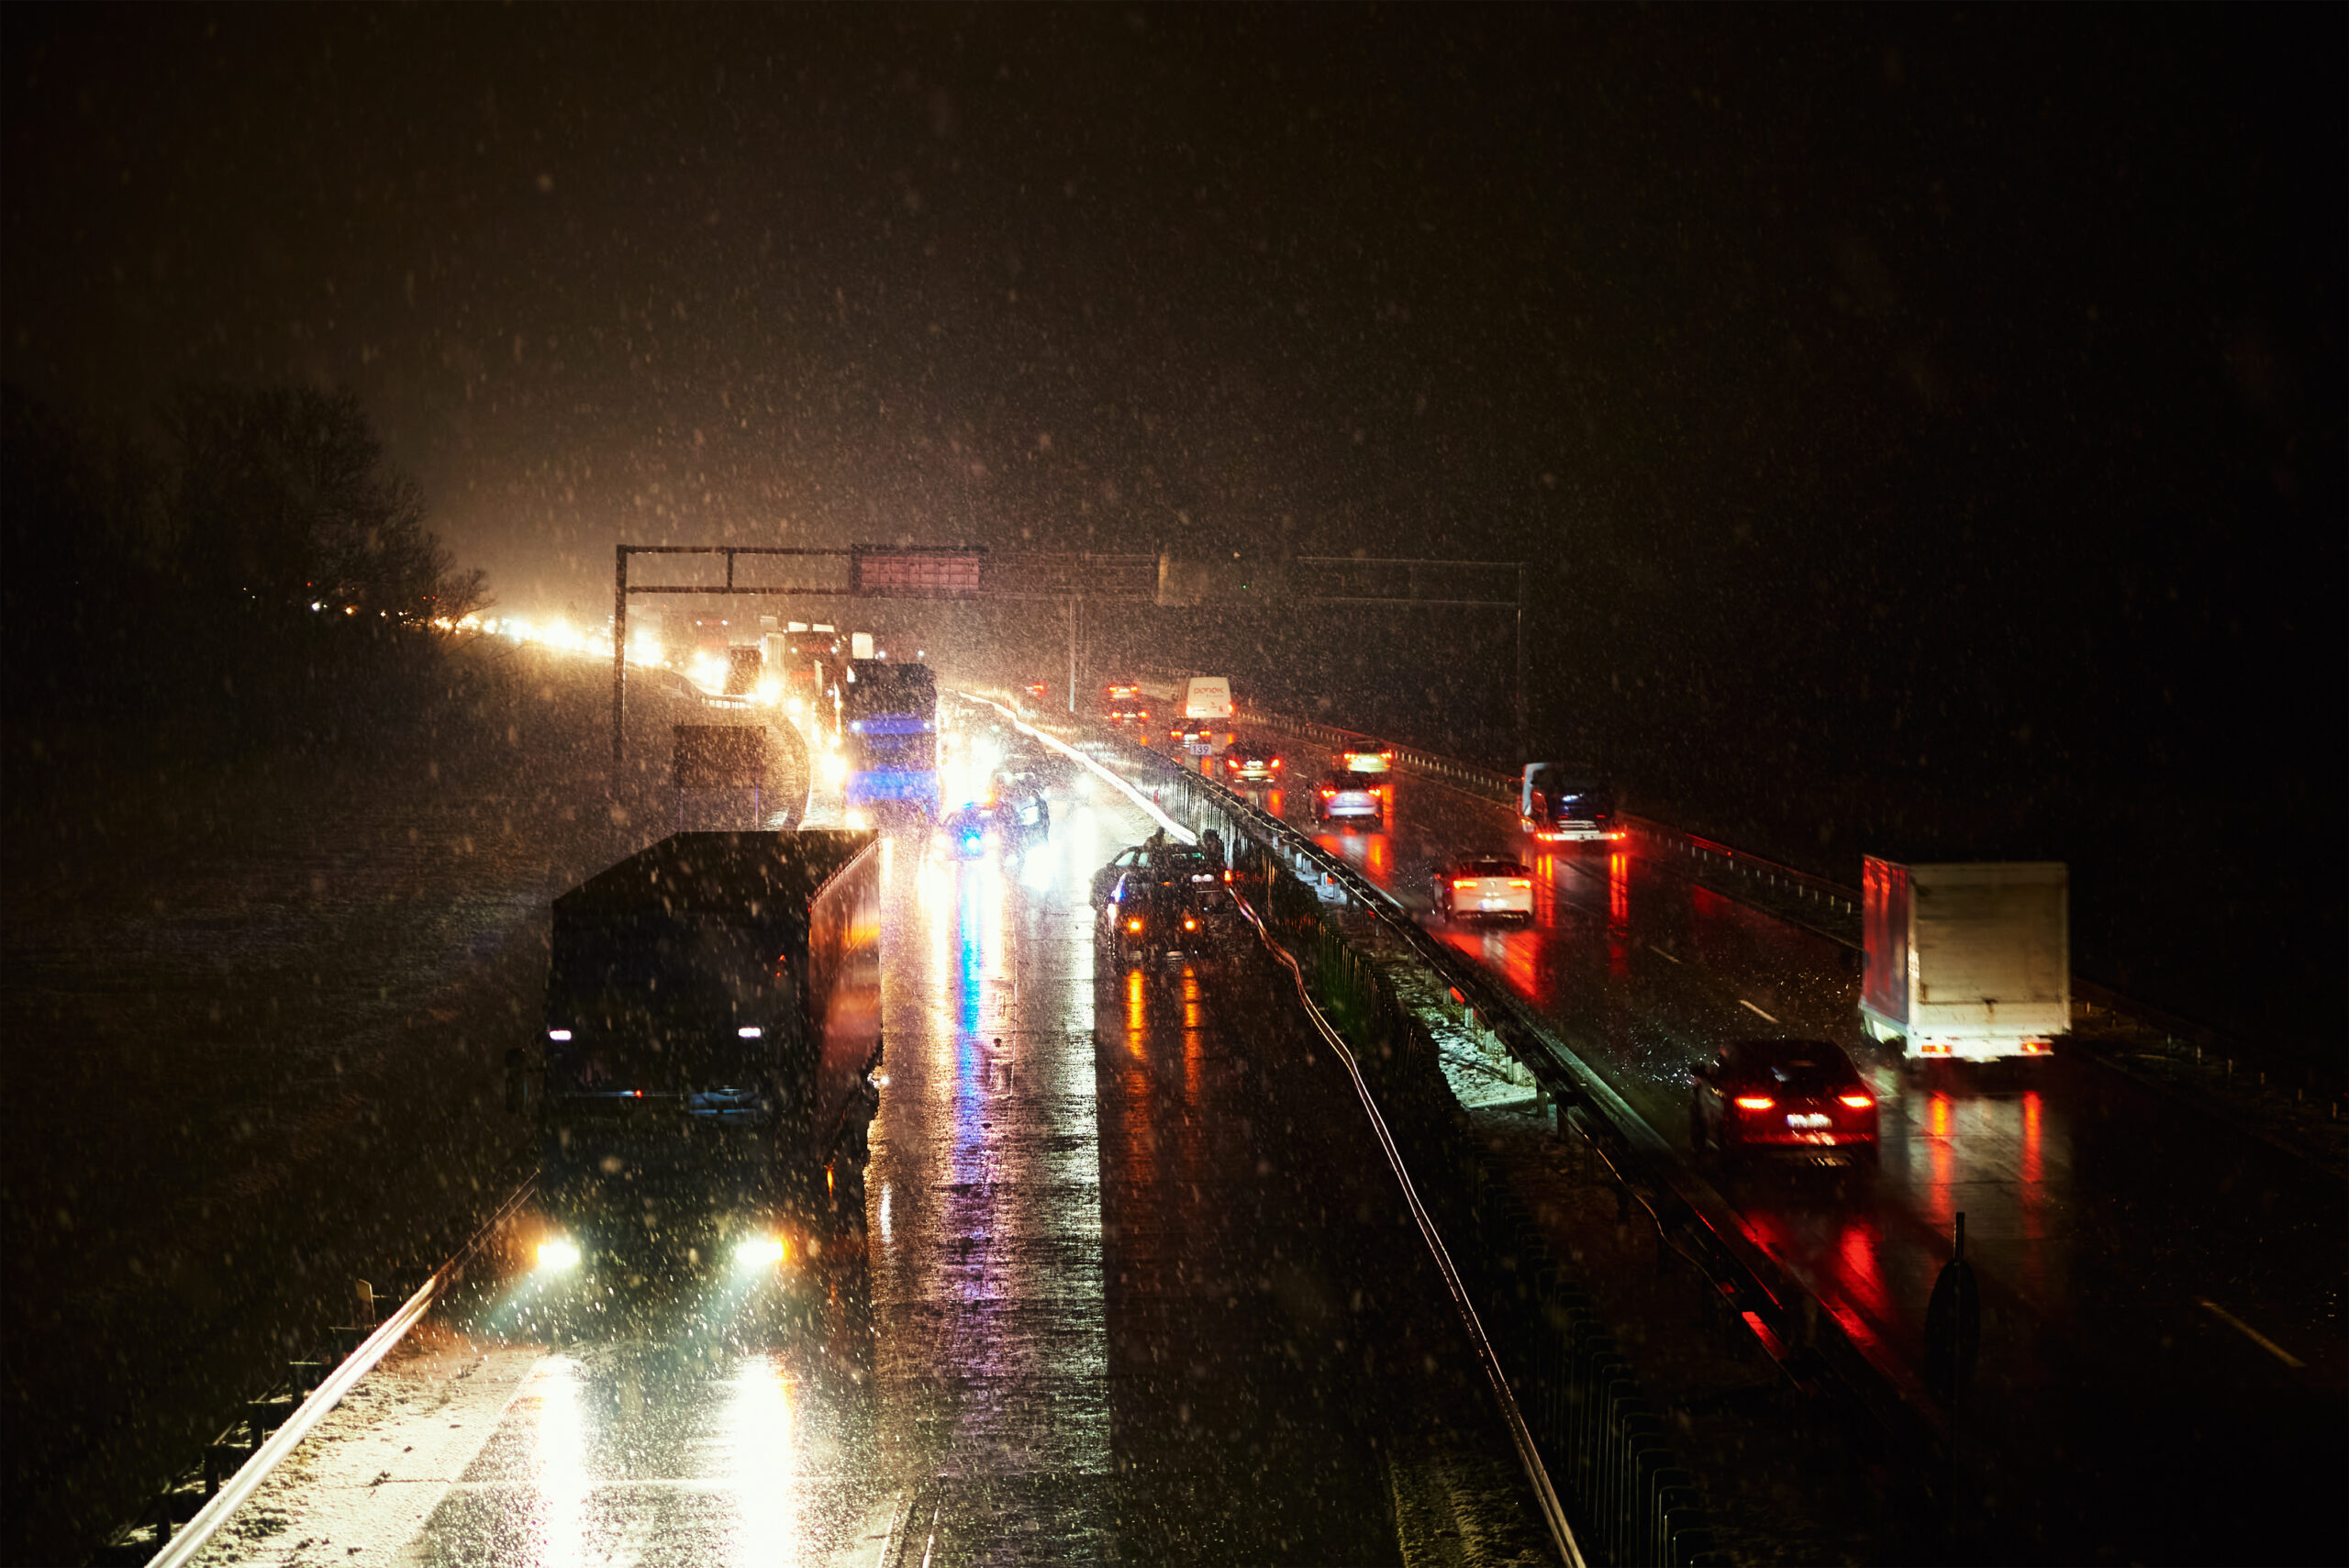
(1207, 696)
(1966, 962)
(1206, 715)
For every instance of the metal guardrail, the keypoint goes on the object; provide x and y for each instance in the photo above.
(166, 1535)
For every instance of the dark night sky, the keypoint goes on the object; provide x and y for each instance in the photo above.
(1501, 274)
(1886, 383)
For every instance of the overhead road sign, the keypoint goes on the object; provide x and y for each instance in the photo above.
(917, 571)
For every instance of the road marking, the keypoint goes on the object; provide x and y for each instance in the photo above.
(1754, 1010)
(2254, 1335)
(1660, 952)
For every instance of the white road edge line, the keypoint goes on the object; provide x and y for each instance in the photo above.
(1750, 1007)
(184, 1546)
(1661, 953)
(2254, 1335)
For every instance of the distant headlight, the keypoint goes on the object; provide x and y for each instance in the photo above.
(558, 1034)
(750, 1031)
(558, 1255)
(759, 1253)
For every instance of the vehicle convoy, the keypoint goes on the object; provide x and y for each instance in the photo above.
(1783, 1096)
(1559, 805)
(1351, 799)
(889, 723)
(1966, 961)
(1484, 887)
(711, 1028)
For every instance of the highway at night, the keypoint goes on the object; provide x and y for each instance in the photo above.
(1135, 1285)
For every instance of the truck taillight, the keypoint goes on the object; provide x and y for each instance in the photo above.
(1933, 1048)
(1755, 1102)
(2036, 1048)
(1134, 924)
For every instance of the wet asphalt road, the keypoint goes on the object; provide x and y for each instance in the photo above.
(1134, 1286)
(2129, 1250)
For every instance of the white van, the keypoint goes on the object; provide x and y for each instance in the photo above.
(1207, 696)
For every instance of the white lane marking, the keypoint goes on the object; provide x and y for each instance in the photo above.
(373, 1471)
(1754, 1010)
(1660, 952)
(869, 1548)
(2254, 1335)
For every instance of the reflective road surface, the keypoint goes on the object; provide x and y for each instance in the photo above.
(1133, 1285)
(2163, 1364)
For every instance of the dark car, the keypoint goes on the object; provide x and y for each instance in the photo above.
(1166, 861)
(1146, 916)
(1783, 1096)
(968, 829)
(1023, 810)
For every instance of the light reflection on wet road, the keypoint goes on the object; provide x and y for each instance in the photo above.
(2100, 1216)
(1135, 1287)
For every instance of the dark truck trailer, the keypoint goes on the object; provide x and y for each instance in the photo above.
(712, 1027)
(889, 712)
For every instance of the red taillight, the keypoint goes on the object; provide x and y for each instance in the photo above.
(1857, 1102)
(1755, 1102)
(2036, 1048)
(1328, 793)
(1133, 925)
(1189, 924)
(1931, 1049)
(1275, 762)
(1520, 882)
(1458, 882)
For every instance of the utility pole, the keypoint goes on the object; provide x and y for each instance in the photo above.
(620, 653)
(1072, 601)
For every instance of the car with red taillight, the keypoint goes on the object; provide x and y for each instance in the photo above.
(1350, 800)
(1247, 765)
(1484, 887)
(1801, 1097)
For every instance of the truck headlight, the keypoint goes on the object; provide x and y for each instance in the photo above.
(557, 1254)
(759, 1253)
